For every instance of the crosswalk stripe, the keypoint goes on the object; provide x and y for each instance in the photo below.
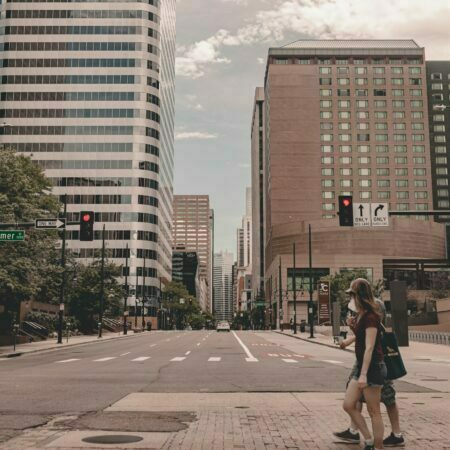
(273, 354)
(153, 345)
(141, 358)
(332, 361)
(67, 360)
(105, 359)
(214, 359)
(290, 361)
(124, 354)
(188, 353)
(178, 358)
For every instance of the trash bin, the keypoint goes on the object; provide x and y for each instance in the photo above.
(149, 326)
(302, 326)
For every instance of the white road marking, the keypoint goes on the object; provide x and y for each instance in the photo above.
(214, 359)
(285, 356)
(250, 357)
(272, 354)
(332, 361)
(141, 358)
(67, 360)
(198, 343)
(127, 353)
(105, 359)
(153, 345)
(178, 358)
(290, 361)
(188, 353)
(300, 356)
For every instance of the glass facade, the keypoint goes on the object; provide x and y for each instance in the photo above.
(56, 94)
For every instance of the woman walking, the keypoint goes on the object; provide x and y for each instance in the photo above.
(371, 370)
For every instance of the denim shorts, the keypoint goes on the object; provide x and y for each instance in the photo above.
(376, 375)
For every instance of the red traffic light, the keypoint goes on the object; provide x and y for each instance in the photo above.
(346, 202)
(86, 217)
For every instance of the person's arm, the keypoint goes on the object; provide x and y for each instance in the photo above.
(371, 336)
(347, 342)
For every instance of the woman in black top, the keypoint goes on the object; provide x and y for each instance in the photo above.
(371, 372)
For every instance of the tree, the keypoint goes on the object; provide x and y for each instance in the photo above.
(28, 269)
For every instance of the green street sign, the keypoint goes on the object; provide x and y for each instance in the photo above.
(12, 235)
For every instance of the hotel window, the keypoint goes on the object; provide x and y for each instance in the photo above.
(326, 115)
(399, 137)
(401, 160)
(325, 103)
(382, 160)
(365, 194)
(346, 172)
(345, 137)
(382, 149)
(421, 172)
(437, 86)
(364, 172)
(417, 126)
(442, 182)
(383, 172)
(365, 183)
(417, 115)
(398, 92)
(441, 160)
(327, 160)
(327, 172)
(342, 70)
(326, 137)
(384, 183)
(343, 92)
(416, 103)
(364, 160)
(328, 195)
(397, 81)
(325, 70)
(381, 126)
(398, 103)
(345, 159)
(362, 104)
(380, 103)
(401, 183)
(439, 139)
(381, 137)
(326, 148)
(359, 61)
(361, 92)
(327, 183)
(384, 195)
(379, 70)
(438, 118)
(362, 114)
(344, 103)
(401, 172)
(418, 149)
(344, 126)
(345, 149)
(415, 81)
(379, 92)
(439, 128)
(441, 171)
(343, 81)
(344, 114)
(328, 206)
(415, 92)
(442, 192)
(436, 76)
(325, 81)
(379, 81)
(281, 61)
(402, 194)
(346, 183)
(402, 206)
(360, 70)
(415, 70)
(399, 126)
(400, 148)
(360, 81)
(363, 148)
(397, 70)
(395, 61)
(324, 61)
(362, 126)
(380, 115)
(326, 126)
(421, 194)
(443, 203)
(303, 61)
(398, 114)
(437, 97)
(326, 92)
(363, 137)
(440, 149)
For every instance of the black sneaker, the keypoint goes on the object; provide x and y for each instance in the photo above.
(393, 441)
(348, 436)
(369, 447)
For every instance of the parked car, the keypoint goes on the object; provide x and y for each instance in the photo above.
(223, 326)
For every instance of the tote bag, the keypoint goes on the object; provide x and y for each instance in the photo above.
(392, 357)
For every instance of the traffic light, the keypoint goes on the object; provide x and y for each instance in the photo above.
(86, 225)
(345, 210)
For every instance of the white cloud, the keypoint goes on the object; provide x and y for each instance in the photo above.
(190, 135)
(244, 165)
(328, 19)
(193, 103)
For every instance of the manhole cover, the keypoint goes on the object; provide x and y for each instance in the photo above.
(112, 439)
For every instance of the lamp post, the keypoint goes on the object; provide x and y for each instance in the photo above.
(102, 286)
(310, 303)
(143, 296)
(125, 311)
(294, 289)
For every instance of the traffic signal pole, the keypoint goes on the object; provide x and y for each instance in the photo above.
(102, 286)
(280, 299)
(294, 289)
(125, 311)
(63, 277)
(310, 303)
(143, 296)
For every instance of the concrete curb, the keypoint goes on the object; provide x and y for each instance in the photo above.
(60, 347)
(312, 341)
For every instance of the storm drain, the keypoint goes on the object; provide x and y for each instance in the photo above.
(113, 439)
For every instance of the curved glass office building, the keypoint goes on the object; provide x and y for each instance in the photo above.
(87, 89)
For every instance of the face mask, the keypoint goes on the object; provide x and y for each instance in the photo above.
(352, 305)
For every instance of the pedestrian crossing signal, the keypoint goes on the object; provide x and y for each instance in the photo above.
(345, 211)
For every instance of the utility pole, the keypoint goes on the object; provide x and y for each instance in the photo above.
(294, 288)
(143, 295)
(280, 297)
(311, 289)
(271, 304)
(102, 285)
(63, 276)
(136, 299)
(125, 310)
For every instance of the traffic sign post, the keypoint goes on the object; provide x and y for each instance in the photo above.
(50, 224)
(12, 235)
(361, 214)
(379, 214)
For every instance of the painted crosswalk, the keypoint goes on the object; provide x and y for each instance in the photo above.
(178, 358)
(215, 359)
(140, 359)
(67, 360)
(108, 358)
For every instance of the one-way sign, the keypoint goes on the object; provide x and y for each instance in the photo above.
(361, 214)
(50, 224)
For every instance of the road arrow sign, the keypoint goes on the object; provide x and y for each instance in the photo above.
(50, 224)
(12, 235)
(361, 214)
(380, 214)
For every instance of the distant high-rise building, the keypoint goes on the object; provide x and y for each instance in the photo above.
(223, 286)
(193, 222)
(185, 270)
(240, 247)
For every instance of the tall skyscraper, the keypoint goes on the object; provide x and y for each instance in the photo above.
(87, 89)
(223, 286)
(193, 232)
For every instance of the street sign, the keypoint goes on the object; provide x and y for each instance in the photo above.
(361, 214)
(12, 235)
(324, 302)
(379, 214)
(50, 224)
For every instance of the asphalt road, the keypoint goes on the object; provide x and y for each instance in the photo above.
(91, 377)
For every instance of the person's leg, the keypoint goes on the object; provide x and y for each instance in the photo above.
(372, 394)
(388, 398)
(353, 426)
(352, 397)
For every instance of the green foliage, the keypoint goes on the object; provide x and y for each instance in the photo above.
(258, 317)
(50, 321)
(241, 321)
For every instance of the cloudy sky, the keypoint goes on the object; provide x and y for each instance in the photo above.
(222, 48)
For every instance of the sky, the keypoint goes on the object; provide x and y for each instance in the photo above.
(222, 49)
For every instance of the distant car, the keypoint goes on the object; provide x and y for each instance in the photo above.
(223, 326)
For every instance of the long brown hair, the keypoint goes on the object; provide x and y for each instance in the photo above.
(364, 296)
